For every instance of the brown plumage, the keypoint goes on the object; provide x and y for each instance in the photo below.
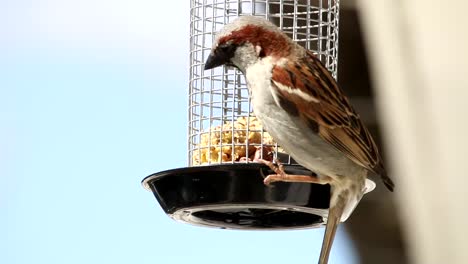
(300, 104)
(338, 123)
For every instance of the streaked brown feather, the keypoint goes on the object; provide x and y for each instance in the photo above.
(337, 121)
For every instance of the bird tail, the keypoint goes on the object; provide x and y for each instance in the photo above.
(334, 216)
(380, 170)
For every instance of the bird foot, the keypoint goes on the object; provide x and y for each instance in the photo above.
(265, 152)
(245, 159)
(281, 175)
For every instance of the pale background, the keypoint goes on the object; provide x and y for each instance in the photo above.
(93, 98)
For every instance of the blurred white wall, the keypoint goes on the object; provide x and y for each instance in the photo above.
(419, 64)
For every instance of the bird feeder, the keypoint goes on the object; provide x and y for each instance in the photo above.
(222, 185)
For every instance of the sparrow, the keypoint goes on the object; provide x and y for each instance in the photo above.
(300, 104)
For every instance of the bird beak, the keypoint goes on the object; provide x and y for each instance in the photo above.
(215, 59)
(221, 55)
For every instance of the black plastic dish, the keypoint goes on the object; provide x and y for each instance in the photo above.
(233, 196)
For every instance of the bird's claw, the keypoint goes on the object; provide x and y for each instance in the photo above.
(245, 159)
(277, 167)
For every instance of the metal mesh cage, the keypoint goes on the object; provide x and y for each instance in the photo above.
(222, 127)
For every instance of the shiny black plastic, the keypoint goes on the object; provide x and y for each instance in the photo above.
(233, 196)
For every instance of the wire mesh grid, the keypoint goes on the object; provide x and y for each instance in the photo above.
(222, 127)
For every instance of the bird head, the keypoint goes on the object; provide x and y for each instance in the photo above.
(245, 41)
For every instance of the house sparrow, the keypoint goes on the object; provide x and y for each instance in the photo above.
(300, 104)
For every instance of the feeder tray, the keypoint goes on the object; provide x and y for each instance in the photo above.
(233, 196)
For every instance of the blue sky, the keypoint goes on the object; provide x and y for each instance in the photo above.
(93, 99)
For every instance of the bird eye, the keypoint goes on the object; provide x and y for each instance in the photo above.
(226, 51)
(226, 48)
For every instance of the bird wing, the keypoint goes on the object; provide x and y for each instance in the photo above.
(306, 88)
